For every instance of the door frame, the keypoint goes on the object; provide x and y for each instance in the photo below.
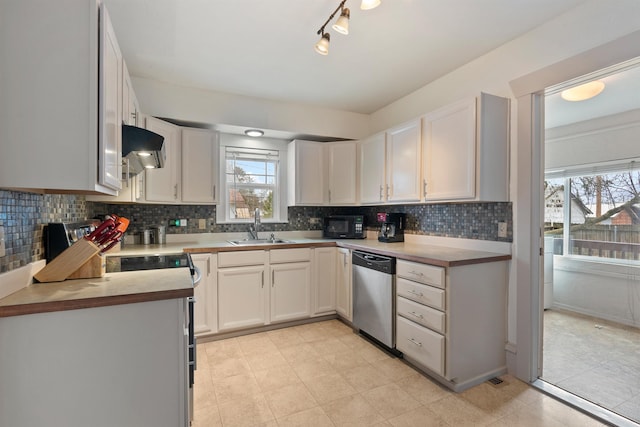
(528, 210)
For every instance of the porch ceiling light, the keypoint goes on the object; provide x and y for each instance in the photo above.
(583, 92)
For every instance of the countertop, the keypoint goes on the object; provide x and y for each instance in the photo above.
(112, 289)
(443, 256)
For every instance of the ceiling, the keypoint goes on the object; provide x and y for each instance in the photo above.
(264, 49)
(619, 95)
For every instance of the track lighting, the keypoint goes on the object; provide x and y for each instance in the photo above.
(322, 47)
(341, 25)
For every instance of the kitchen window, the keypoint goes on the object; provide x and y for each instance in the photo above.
(602, 219)
(251, 174)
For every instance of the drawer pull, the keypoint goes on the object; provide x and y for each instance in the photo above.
(419, 344)
(414, 314)
(417, 273)
(418, 294)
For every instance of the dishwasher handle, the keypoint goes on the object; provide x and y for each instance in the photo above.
(374, 262)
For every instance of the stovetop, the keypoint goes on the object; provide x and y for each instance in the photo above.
(118, 263)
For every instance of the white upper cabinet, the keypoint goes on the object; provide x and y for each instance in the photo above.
(199, 166)
(60, 83)
(162, 184)
(403, 162)
(305, 175)
(372, 174)
(130, 106)
(466, 151)
(342, 172)
(449, 152)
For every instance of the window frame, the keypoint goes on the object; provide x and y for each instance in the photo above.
(280, 211)
(567, 175)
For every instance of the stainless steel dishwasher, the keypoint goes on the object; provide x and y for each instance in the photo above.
(374, 297)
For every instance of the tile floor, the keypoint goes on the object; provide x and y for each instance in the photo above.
(594, 359)
(322, 374)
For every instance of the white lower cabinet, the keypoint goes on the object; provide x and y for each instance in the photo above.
(256, 288)
(241, 297)
(290, 286)
(451, 322)
(343, 284)
(324, 281)
(95, 360)
(206, 295)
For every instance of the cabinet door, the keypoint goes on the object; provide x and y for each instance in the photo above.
(306, 173)
(342, 159)
(403, 163)
(324, 281)
(343, 284)
(372, 174)
(241, 297)
(199, 166)
(162, 184)
(129, 101)
(110, 87)
(449, 152)
(206, 295)
(290, 286)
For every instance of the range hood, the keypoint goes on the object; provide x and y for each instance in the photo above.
(141, 149)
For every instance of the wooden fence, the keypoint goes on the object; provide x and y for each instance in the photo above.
(606, 241)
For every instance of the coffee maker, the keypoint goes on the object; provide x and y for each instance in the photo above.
(391, 227)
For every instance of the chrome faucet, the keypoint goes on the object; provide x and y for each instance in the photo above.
(253, 229)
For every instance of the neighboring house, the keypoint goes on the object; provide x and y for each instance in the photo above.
(630, 215)
(554, 207)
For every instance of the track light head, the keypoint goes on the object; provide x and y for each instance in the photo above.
(342, 24)
(322, 47)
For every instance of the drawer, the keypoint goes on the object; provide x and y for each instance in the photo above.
(240, 258)
(289, 255)
(423, 273)
(426, 316)
(424, 294)
(420, 344)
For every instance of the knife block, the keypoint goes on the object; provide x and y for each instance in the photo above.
(96, 266)
(68, 262)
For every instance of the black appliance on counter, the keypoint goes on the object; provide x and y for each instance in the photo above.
(344, 227)
(58, 236)
(121, 263)
(391, 227)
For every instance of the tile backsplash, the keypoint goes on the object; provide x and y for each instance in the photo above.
(24, 214)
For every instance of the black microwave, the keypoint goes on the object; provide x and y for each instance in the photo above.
(344, 227)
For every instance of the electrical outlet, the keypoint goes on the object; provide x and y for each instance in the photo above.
(313, 221)
(202, 224)
(183, 223)
(502, 229)
(3, 250)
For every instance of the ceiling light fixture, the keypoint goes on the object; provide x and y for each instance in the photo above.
(254, 132)
(583, 92)
(341, 25)
(369, 4)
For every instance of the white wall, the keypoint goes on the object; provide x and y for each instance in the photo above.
(602, 290)
(606, 139)
(591, 24)
(182, 103)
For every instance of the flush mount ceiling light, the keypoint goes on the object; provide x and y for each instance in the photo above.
(369, 4)
(253, 132)
(583, 92)
(341, 25)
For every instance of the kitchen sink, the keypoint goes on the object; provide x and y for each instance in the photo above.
(249, 242)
